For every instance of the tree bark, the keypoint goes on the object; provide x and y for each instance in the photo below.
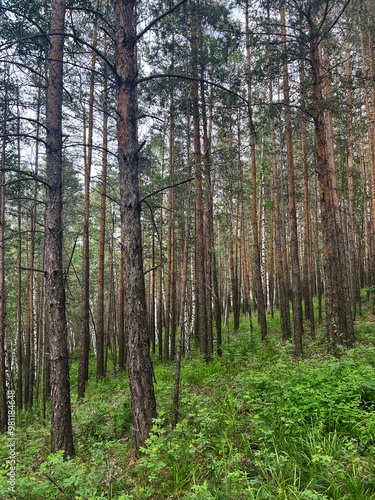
(3, 375)
(283, 290)
(260, 298)
(294, 253)
(338, 310)
(139, 365)
(200, 278)
(61, 426)
(308, 278)
(102, 234)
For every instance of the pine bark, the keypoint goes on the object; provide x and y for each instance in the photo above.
(102, 234)
(61, 426)
(338, 310)
(294, 253)
(83, 373)
(200, 278)
(308, 277)
(3, 379)
(260, 297)
(283, 290)
(139, 365)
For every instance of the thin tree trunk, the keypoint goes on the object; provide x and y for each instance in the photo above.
(365, 212)
(199, 232)
(208, 215)
(83, 373)
(294, 252)
(371, 139)
(283, 290)
(102, 233)
(372, 151)
(19, 277)
(260, 298)
(308, 286)
(3, 379)
(184, 278)
(353, 265)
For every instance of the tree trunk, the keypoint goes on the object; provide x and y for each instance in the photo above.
(199, 232)
(283, 290)
(19, 278)
(61, 426)
(139, 365)
(102, 233)
(338, 310)
(353, 264)
(3, 375)
(260, 298)
(294, 253)
(83, 373)
(308, 278)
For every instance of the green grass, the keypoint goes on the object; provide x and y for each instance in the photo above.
(255, 424)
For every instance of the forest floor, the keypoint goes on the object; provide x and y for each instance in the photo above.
(254, 424)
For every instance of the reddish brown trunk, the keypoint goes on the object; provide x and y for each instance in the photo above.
(200, 279)
(365, 213)
(338, 310)
(353, 265)
(307, 274)
(208, 215)
(83, 373)
(102, 232)
(260, 298)
(283, 291)
(294, 252)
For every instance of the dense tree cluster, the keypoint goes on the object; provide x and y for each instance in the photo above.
(165, 165)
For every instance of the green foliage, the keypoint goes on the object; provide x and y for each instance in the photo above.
(254, 424)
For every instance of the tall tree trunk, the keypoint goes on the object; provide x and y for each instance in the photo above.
(19, 276)
(170, 309)
(372, 151)
(338, 310)
(294, 253)
(283, 289)
(208, 214)
(139, 365)
(83, 373)
(353, 264)
(365, 212)
(102, 233)
(3, 379)
(371, 139)
(260, 298)
(30, 338)
(61, 426)
(200, 278)
(182, 330)
(308, 278)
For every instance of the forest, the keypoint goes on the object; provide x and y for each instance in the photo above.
(187, 249)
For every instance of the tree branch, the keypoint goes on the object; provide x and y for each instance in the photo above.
(28, 174)
(157, 19)
(164, 188)
(32, 269)
(193, 79)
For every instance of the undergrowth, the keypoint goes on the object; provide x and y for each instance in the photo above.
(254, 424)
